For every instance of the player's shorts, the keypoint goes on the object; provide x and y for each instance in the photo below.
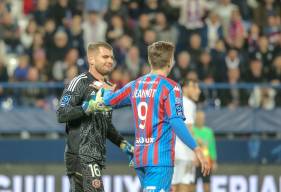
(199, 174)
(155, 179)
(184, 172)
(92, 176)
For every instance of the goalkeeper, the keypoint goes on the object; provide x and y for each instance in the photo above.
(88, 123)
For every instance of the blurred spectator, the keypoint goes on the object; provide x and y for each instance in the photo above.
(10, 33)
(191, 13)
(116, 77)
(126, 78)
(62, 13)
(133, 62)
(212, 31)
(275, 77)
(275, 72)
(151, 8)
(195, 48)
(77, 35)
(244, 7)
(99, 6)
(143, 25)
(42, 12)
(70, 74)
(26, 37)
(21, 72)
(94, 28)
(264, 53)
(134, 11)
(182, 66)
(41, 64)
(233, 97)
(164, 31)
(61, 47)
(205, 68)
(224, 9)
(273, 29)
(3, 72)
(33, 96)
(50, 29)
(218, 56)
(262, 97)
(121, 47)
(116, 29)
(116, 7)
(149, 37)
(236, 29)
(60, 68)
(253, 37)
(232, 60)
(255, 73)
(37, 44)
(264, 9)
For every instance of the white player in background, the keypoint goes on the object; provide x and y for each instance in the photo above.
(184, 171)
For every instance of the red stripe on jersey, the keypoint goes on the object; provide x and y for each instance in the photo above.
(146, 121)
(168, 103)
(121, 96)
(159, 127)
(134, 102)
(149, 122)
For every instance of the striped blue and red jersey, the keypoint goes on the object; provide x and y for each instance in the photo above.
(155, 100)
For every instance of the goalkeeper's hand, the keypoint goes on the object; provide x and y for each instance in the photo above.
(95, 103)
(127, 148)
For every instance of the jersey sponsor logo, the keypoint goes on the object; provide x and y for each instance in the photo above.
(143, 140)
(144, 93)
(65, 100)
(176, 88)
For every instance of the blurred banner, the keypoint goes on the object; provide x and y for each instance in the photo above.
(253, 150)
(119, 178)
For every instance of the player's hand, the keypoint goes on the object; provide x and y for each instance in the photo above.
(205, 165)
(127, 148)
(95, 103)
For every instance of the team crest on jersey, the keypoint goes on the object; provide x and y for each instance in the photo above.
(96, 183)
(65, 100)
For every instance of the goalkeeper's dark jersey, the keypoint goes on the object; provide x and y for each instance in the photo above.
(86, 135)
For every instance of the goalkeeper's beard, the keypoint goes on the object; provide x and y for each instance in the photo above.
(104, 70)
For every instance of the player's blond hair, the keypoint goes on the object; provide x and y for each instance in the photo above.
(160, 54)
(96, 45)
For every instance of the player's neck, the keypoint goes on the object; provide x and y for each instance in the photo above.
(96, 74)
(159, 72)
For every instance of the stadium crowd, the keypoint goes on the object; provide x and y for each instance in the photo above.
(216, 41)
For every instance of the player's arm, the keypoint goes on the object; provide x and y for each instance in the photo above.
(115, 137)
(118, 98)
(70, 106)
(174, 108)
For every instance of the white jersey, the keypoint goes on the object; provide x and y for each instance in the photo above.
(182, 152)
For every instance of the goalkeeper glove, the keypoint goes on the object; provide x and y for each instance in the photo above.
(95, 103)
(127, 148)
